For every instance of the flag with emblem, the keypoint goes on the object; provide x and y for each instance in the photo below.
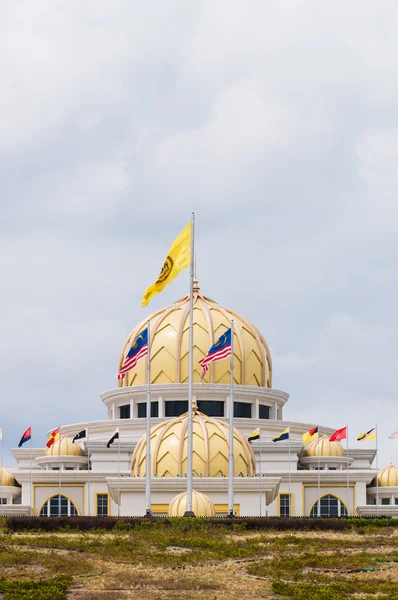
(178, 259)
(53, 437)
(25, 436)
(367, 436)
(139, 349)
(339, 434)
(221, 349)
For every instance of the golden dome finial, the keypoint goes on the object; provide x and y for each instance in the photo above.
(196, 287)
(194, 404)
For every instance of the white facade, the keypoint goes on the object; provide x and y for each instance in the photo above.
(346, 483)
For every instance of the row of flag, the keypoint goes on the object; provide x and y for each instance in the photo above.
(54, 436)
(312, 434)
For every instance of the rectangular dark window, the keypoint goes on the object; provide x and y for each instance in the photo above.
(211, 408)
(175, 408)
(385, 500)
(263, 411)
(124, 411)
(284, 505)
(102, 505)
(142, 410)
(243, 410)
(396, 500)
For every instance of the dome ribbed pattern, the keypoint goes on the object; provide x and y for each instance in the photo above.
(202, 506)
(64, 447)
(388, 476)
(169, 444)
(6, 478)
(169, 332)
(323, 447)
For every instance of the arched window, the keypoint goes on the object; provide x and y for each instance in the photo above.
(58, 506)
(329, 506)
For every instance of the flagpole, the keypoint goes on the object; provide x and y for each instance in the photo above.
(231, 465)
(259, 440)
(148, 473)
(189, 512)
(30, 479)
(348, 475)
(289, 477)
(118, 473)
(59, 470)
(88, 475)
(377, 476)
(319, 475)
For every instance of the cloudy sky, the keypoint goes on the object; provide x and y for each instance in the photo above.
(276, 122)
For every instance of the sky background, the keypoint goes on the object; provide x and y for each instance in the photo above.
(276, 122)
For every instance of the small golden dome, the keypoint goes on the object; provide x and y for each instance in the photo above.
(169, 331)
(6, 478)
(323, 447)
(202, 506)
(64, 447)
(169, 441)
(388, 476)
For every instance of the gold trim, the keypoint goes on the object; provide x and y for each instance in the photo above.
(224, 508)
(159, 508)
(62, 494)
(96, 502)
(291, 503)
(337, 485)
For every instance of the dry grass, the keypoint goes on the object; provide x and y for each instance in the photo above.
(210, 564)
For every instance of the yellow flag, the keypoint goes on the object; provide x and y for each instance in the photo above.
(178, 259)
(310, 436)
(368, 436)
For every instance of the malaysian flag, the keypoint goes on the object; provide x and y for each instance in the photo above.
(221, 349)
(139, 348)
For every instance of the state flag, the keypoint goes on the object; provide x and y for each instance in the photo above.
(25, 436)
(54, 436)
(367, 436)
(339, 434)
(114, 437)
(80, 436)
(255, 435)
(311, 435)
(284, 435)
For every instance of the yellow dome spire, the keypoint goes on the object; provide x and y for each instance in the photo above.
(169, 332)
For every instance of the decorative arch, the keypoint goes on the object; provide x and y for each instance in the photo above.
(50, 507)
(332, 506)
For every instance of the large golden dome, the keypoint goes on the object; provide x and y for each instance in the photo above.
(169, 331)
(324, 447)
(169, 441)
(388, 476)
(202, 506)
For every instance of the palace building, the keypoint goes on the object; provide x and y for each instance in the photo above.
(86, 477)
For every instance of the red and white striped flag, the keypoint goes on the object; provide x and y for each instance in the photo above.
(393, 435)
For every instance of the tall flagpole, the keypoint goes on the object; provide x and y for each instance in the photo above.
(189, 512)
(231, 465)
(348, 477)
(318, 512)
(88, 474)
(377, 476)
(59, 470)
(261, 462)
(118, 472)
(30, 479)
(148, 473)
(290, 512)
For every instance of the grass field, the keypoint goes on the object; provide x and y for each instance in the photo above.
(192, 559)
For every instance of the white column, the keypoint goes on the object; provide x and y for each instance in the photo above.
(161, 407)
